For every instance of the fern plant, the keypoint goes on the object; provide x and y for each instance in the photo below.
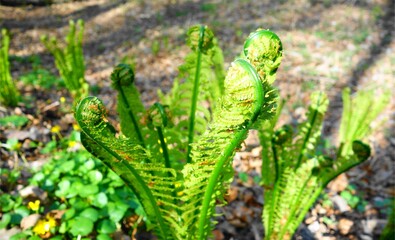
(358, 112)
(9, 94)
(176, 157)
(294, 173)
(69, 60)
(199, 84)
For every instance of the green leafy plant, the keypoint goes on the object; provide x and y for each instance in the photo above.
(70, 60)
(12, 210)
(295, 171)
(389, 230)
(177, 157)
(13, 121)
(355, 122)
(43, 78)
(9, 94)
(82, 197)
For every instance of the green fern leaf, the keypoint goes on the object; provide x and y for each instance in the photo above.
(297, 186)
(358, 113)
(130, 162)
(204, 64)
(310, 131)
(130, 107)
(70, 60)
(238, 110)
(263, 49)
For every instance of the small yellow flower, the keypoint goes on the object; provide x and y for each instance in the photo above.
(62, 99)
(34, 205)
(55, 129)
(44, 226)
(76, 127)
(39, 227)
(51, 223)
(72, 144)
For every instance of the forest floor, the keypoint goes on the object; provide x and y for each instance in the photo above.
(328, 45)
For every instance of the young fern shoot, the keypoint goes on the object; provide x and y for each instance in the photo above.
(196, 90)
(129, 107)
(178, 195)
(9, 94)
(70, 60)
(296, 173)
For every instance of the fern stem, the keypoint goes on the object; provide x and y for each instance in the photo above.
(158, 110)
(229, 150)
(306, 139)
(307, 206)
(272, 209)
(275, 158)
(191, 128)
(163, 145)
(134, 120)
(340, 150)
(294, 207)
(213, 181)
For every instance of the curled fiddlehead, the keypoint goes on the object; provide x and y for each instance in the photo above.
(125, 158)
(264, 51)
(200, 38)
(130, 107)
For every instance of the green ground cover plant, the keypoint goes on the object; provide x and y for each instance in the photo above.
(9, 94)
(69, 59)
(41, 77)
(83, 197)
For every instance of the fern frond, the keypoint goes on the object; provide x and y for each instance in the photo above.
(129, 161)
(70, 60)
(320, 174)
(238, 110)
(197, 88)
(9, 94)
(129, 105)
(266, 135)
(360, 153)
(264, 51)
(310, 131)
(300, 189)
(358, 113)
(297, 188)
